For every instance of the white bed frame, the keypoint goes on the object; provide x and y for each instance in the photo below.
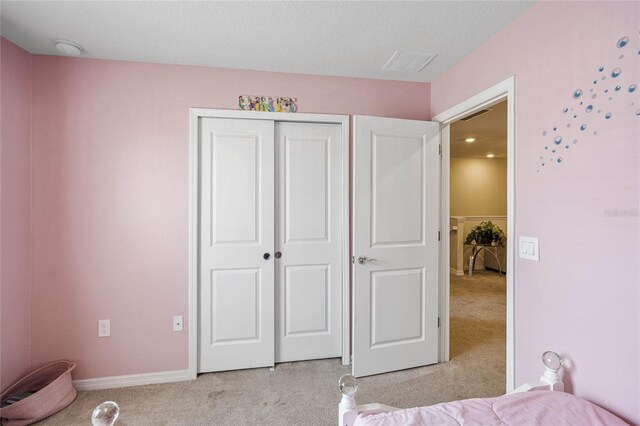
(348, 410)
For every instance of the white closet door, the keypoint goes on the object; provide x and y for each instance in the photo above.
(396, 216)
(236, 293)
(308, 235)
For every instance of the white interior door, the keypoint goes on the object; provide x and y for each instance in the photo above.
(236, 290)
(396, 199)
(308, 237)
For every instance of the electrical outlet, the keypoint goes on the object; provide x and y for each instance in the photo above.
(177, 323)
(104, 328)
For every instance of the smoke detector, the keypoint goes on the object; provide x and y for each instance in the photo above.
(68, 48)
(404, 61)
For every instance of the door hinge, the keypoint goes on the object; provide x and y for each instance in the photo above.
(353, 259)
(438, 322)
(438, 235)
(440, 149)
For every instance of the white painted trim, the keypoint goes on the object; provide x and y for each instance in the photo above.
(486, 98)
(509, 88)
(132, 380)
(273, 116)
(194, 116)
(479, 217)
(352, 275)
(444, 294)
(499, 92)
(193, 242)
(346, 258)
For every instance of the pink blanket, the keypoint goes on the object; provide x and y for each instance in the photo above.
(528, 408)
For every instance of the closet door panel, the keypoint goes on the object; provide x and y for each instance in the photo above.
(236, 283)
(308, 235)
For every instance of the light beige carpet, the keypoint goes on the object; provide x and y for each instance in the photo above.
(306, 393)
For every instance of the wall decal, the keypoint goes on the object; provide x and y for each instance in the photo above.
(267, 104)
(592, 107)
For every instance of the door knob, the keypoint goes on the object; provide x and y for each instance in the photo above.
(363, 260)
(266, 256)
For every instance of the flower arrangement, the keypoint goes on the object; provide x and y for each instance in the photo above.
(486, 233)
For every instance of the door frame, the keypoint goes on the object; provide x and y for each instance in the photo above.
(195, 114)
(504, 90)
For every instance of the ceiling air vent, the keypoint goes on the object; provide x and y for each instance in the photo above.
(475, 114)
(408, 61)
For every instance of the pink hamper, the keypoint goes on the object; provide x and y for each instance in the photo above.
(52, 389)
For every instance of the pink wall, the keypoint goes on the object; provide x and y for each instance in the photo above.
(583, 297)
(15, 178)
(110, 188)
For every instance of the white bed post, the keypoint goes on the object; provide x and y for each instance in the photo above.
(550, 380)
(347, 410)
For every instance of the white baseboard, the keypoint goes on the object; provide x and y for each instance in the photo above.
(132, 380)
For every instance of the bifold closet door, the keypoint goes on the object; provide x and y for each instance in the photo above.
(309, 206)
(236, 291)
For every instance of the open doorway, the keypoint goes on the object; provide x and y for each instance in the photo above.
(478, 244)
(489, 97)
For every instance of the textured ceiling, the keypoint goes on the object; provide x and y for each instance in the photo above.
(490, 131)
(354, 38)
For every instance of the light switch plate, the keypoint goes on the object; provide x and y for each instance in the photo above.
(528, 248)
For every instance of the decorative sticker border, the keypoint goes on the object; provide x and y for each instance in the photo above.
(267, 103)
